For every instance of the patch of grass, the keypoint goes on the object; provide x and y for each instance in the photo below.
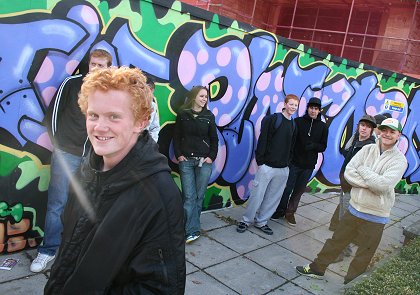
(400, 275)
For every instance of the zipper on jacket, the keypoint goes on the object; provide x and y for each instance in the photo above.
(206, 143)
(162, 263)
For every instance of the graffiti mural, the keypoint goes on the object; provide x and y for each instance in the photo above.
(248, 71)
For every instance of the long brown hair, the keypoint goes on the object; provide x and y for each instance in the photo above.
(191, 97)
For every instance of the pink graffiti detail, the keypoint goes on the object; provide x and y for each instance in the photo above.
(202, 56)
(186, 67)
(379, 95)
(44, 140)
(45, 72)
(266, 100)
(223, 56)
(253, 167)
(206, 80)
(278, 82)
(71, 65)
(279, 107)
(346, 96)
(243, 65)
(251, 183)
(403, 144)
(338, 86)
(228, 95)
(221, 158)
(325, 99)
(371, 110)
(400, 97)
(275, 98)
(89, 16)
(48, 93)
(264, 81)
(241, 191)
(334, 110)
(254, 109)
(242, 93)
(224, 120)
(215, 111)
(258, 126)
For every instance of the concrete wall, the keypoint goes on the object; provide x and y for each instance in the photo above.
(249, 72)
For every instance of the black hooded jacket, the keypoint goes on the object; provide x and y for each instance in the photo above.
(134, 242)
(312, 138)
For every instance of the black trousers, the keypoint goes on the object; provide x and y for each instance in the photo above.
(368, 234)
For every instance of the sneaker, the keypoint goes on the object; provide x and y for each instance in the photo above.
(290, 217)
(192, 238)
(307, 271)
(277, 215)
(40, 262)
(242, 227)
(266, 229)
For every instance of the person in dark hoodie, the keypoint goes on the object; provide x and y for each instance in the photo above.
(123, 223)
(312, 138)
(363, 136)
(195, 146)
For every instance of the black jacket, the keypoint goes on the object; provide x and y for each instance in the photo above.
(135, 242)
(312, 138)
(65, 122)
(275, 144)
(195, 136)
(348, 154)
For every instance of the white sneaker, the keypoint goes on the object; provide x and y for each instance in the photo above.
(40, 262)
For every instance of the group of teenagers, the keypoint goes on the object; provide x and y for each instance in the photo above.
(116, 222)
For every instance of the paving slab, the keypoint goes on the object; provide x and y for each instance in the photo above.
(309, 198)
(199, 255)
(233, 213)
(280, 231)
(398, 212)
(303, 223)
(302, 245)
(315, 214)
(190, 268)
(210, 221)
(335, 200)
(278, 259)
(20, 270)
(410, 199)
(289, 288)
(406, 206)
(331, 284)
(33, 285)
(203, 284)
(245, 276)
(395, 231)
(325, 206)
(321, 233)
(239, 242)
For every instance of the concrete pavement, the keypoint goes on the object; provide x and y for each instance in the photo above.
(223, 261)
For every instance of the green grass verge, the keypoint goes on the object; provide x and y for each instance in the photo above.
(400, 275)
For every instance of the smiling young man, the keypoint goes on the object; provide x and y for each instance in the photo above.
(372, 173)
(311, 139)
(123, 224)
(273, 155)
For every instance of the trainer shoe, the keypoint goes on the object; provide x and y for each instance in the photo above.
(192, 238)
(307, 271)
(40, 262)
(242, 227)
(277, 215)
(290, 217)
(266, 229)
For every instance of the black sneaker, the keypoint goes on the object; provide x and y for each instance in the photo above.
(277, 215)
(290, 217)
(307, 271)
(266, 229)
(242, 227)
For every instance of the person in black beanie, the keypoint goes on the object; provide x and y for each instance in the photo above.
(312, 138)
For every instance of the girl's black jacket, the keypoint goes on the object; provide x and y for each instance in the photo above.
(130, 240)
(195, 136)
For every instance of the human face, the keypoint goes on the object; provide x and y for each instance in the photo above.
(97, 63)
(388, 138)
(290, 107)
(200, 100)
(313, 111)
(365, 130)
(111, 126)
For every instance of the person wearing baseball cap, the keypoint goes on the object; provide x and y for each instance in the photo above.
(373, 174)
(379, 118)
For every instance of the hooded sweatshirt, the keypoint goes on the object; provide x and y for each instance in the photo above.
(312, 138)
(133, 240)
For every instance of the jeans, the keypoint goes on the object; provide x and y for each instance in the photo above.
(296, 185)
(194, 181)
(63, 165)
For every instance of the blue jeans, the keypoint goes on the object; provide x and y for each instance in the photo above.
(62, 166)
(194, 181)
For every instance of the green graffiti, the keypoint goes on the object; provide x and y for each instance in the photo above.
(104, 11)
(305, 59)
(216, 191)
(19, 6)
(35, 227)
(31, 169)
(163, 95)
(16, 211)
(316, 186)
(391, 83)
